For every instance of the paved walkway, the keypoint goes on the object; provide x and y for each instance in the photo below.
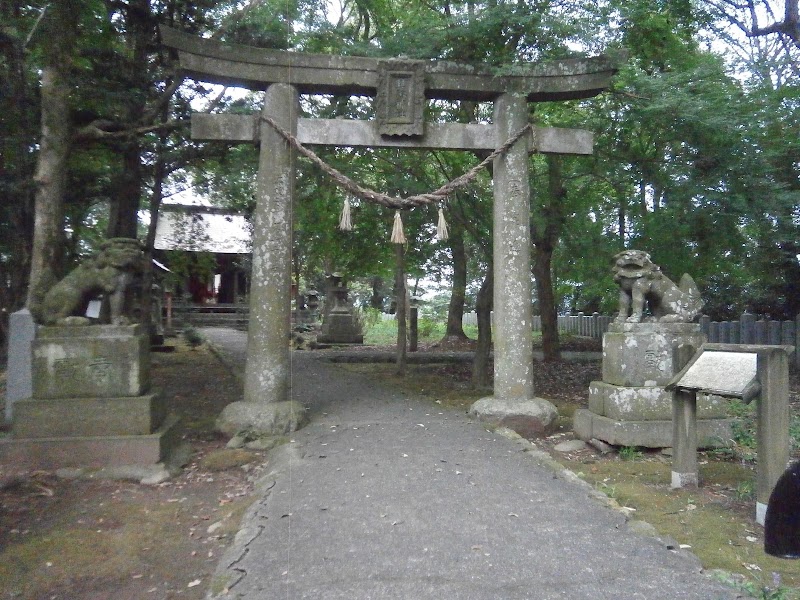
(388, 496)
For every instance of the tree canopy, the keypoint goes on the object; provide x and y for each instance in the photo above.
(697, 146)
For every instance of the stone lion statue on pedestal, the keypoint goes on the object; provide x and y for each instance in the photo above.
(110, 272)
(643, 285)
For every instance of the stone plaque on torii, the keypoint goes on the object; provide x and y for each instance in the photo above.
(401, 88)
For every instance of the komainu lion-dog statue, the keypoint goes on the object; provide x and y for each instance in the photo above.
(643, 285)
(110, 272)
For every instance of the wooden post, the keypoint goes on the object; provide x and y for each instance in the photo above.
(773, 425)
(413, 330)
(684, 439)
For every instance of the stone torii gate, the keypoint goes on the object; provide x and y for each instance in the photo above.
(401, 88)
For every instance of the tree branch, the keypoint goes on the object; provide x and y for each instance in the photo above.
(101, 130)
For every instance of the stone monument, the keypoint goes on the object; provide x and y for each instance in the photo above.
(339, 325)
(91, 402)
(650, 341)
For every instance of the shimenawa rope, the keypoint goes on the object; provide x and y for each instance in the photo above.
(368, 195)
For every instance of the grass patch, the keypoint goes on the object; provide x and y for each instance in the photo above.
(379, 332)
(717, 525)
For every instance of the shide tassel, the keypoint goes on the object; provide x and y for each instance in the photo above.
(345, 223)
(441, 228)
(398, 237)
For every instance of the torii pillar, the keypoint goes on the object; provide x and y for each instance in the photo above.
(267, 372)
(401, 89)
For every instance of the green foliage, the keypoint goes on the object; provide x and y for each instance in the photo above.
(691, 164)
(630, 453)
(192, 337)
(383, 332)
(745, 491)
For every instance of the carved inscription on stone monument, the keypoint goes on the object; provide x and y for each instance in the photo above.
(401, 99)
(651, 359)
(76, 370)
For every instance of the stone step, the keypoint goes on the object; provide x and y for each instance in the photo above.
(92, 452)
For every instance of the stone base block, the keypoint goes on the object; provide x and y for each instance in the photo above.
(91, 452)
(82, 417)
(711, 433)
(262, 418)
(641, 354)
(645, 403)
(530, 418)
(106, 361)
(340, 329)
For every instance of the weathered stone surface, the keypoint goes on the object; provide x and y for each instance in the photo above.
(711, 433)
(71, 417)
(98, 361)
(91, 452)
(646, 403)
(267, 369)
(262, 418)
(641, 354)
(341, 132)
(570, 446)
(600, 446)
(646, 293)
(254, 68)
(513, 351)
(530, 418)
(110, 272)
(19, 377)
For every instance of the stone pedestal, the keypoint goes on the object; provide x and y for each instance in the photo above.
(630, 406)
(91, 405)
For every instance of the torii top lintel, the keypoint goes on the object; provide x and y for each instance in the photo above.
(256, 68)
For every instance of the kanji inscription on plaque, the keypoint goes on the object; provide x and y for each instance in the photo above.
(401, 99)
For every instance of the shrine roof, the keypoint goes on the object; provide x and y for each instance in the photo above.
(202, 229)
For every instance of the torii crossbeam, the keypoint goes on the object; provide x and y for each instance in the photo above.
(401, 88)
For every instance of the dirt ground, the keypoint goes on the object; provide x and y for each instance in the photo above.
(97, 539)
(100, 539)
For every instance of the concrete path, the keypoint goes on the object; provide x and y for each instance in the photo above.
(384, 495)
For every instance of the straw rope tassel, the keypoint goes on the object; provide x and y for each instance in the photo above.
(345, 223)
(398, 237)
(441, 228)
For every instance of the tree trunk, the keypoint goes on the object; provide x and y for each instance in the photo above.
(483, 308)
(125, 202)
(123, 216)
(54, 146)
(542, 271)
(545, 233)
(455, 310)
(18, 164)
(400, 299)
